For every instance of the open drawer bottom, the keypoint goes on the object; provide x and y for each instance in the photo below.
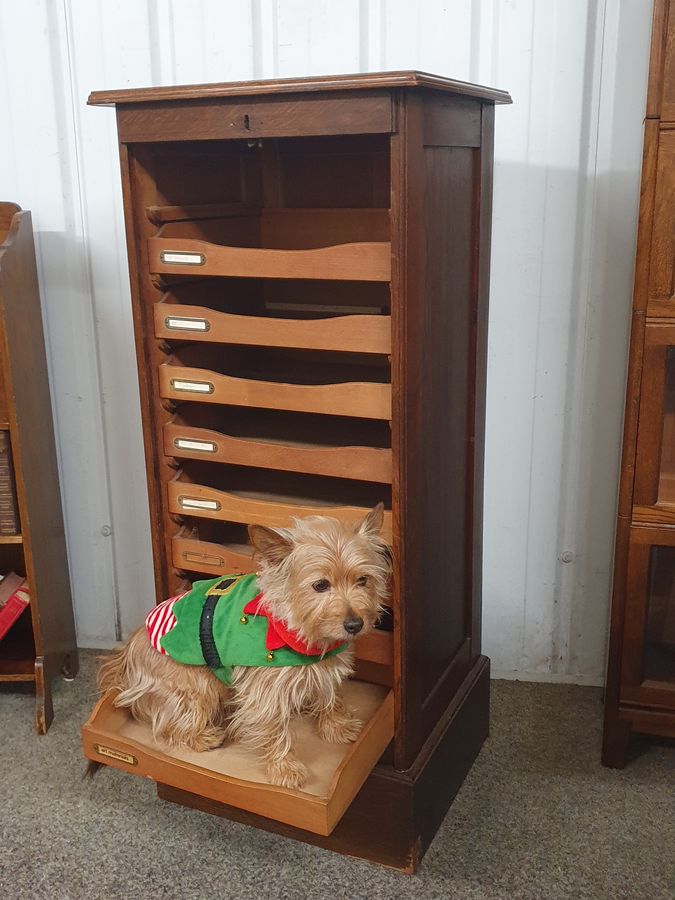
(233, 776)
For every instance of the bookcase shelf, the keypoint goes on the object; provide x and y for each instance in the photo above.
(41, 643)
(17, 659)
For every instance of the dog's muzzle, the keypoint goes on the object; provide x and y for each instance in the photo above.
(353, 625)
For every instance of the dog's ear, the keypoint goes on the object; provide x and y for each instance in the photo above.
(270, 544)
(372, 523)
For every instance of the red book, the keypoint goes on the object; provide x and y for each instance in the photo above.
(13, 600)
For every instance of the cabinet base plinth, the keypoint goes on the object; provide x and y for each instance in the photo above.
(395, 815)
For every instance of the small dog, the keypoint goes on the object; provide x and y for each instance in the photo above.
(320, 584)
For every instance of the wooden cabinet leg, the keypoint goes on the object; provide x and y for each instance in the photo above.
(70, 666)
(44, 708)
(616, 741)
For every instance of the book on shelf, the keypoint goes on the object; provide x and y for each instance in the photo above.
(13, 600)
(9, 513)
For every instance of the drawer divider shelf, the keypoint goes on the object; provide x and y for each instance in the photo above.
(354, 333)
(369, 400)
(188, 499)
(355, 462)
(359, 261)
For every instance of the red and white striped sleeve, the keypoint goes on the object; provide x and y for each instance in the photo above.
(161, 620)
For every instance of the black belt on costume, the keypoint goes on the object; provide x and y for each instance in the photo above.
(206, 639)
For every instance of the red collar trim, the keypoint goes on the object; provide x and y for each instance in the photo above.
(278, 635)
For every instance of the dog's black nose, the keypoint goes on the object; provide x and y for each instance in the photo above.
(353, 625)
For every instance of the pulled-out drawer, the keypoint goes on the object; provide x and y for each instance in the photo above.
(187, 498)
(258, 450)
(359, 399)
(192, 555)
(233, 776)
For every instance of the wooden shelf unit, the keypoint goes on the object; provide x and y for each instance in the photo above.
(640, 688)
(309, 269)
(41, 644)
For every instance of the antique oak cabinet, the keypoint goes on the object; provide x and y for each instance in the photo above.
(640, 694)
(309, 266)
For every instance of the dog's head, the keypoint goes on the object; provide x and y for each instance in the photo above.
(327, 580)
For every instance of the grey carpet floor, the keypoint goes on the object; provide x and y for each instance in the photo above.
(537, 818)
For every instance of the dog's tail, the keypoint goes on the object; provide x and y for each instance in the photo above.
(112, 672)
(92, 769)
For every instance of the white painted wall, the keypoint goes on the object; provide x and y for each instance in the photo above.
(566, 189)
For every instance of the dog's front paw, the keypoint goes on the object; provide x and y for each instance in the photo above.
(287, 772)
(208, 739)
(339, 729)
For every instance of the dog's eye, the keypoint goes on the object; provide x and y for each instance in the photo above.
(321, 585)
(362, 581)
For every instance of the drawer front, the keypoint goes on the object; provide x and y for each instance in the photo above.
(193, 555)
(360, 463)
(354, 334)
(236, 777)
(368, 112)
(186, 499)
(359, 399)
(363, 261)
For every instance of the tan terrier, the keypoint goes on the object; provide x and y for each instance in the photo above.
(240, 657)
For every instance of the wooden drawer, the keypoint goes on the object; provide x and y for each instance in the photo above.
(256, 117)
(331, 244)
(363, 261)
(353, 334)
(192, 555)
(277, 452)
(231, 775)
(359, 399)
(187, 498)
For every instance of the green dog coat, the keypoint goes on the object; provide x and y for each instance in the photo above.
(222, 623)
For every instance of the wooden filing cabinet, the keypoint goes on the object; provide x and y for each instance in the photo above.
(309, 265)
(640, 692)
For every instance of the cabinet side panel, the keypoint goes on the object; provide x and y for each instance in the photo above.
(435, 220)
(479, 340)
(441, 370)
(139, 191)
(33, 445)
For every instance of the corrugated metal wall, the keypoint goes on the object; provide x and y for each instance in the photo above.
(566, 187)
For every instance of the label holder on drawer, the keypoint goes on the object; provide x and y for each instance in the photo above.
(196, 446)
(198, 503)
(186, 323)
(192, 387)
(181, 258)
(205, 559)
(112, 753)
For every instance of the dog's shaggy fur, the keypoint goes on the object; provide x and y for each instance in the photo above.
(316, 577)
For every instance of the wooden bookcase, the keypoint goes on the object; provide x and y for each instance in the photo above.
(640, 692)
(309, 266)
(42, 644)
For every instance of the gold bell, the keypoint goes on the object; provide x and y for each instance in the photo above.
(270, 656)
(243, 620)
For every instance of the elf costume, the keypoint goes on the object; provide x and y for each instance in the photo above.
(222, 623)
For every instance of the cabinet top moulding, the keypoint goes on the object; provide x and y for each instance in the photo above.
(369, 81)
